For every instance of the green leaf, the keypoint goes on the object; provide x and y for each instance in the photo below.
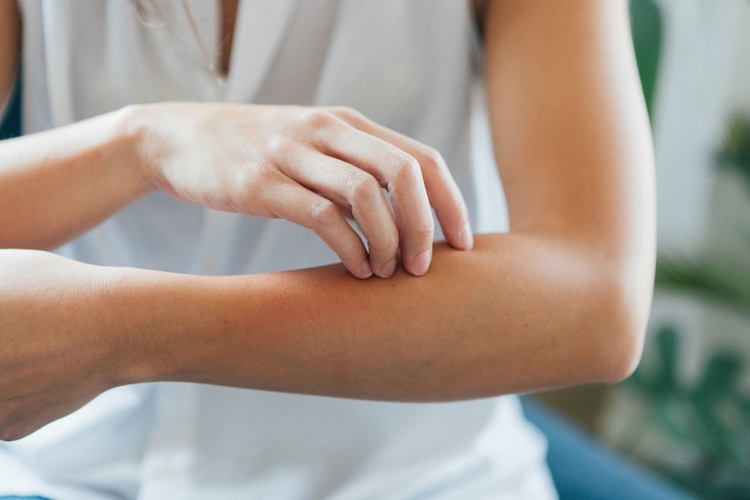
(722, 284)
(646, 26)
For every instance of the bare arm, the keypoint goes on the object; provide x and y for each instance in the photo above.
(312, 166)
(561, 299)
(62, 182)
(518, 313)
(65, 181)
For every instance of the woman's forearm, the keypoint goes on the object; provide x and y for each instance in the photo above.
(56, 185)
(520, 312)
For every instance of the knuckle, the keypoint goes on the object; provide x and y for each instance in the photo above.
(406, 167)
(425, 230)
(362, 186)
(432, 157)
(260, 176)
(277, 145)
(253, 183)
(320, 118)
(390, 246)
(349, 114)
(387, 244)
(324, 213)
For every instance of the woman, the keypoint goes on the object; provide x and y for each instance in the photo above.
(560, 299)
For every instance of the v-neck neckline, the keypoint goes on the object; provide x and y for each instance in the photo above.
(259, 29)
(227, 27)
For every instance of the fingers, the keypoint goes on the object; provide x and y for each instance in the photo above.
(401, 175)
(356, 191)
(443, 193)
(338, 163)
(288, 200)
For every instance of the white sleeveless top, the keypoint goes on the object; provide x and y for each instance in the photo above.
(406, 64)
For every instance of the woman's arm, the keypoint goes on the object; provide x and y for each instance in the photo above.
(56, 185)
(561, 299)
(311, 166)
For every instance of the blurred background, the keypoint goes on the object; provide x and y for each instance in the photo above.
(685, 413)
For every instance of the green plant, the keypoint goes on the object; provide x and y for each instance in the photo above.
(646, 26)
(711, 418)
(714, 281)
(723, 281)
(735, 155)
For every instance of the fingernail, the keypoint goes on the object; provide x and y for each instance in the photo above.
(388, 269)
(422, 262)
(467, 237)
(366, 269)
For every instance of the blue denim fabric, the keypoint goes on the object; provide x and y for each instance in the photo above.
(585, 470)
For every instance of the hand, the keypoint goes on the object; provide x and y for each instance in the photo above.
(50, 363)
(313, 167)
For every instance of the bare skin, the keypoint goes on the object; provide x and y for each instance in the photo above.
(563, 298)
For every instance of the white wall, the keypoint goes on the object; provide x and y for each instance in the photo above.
(705, 42)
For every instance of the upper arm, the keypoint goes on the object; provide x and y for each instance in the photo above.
(569, 122)
(573, 145)
(10, 47)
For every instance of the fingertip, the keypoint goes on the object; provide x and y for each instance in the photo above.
(421, 263)
(366, 270)
(466, 237)
(388, 269)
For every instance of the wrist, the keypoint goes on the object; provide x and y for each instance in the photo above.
(127, 326)
(151, 318)
(134, 127)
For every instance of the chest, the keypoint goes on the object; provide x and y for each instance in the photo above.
(227, 17)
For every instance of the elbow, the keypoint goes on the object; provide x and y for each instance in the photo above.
(622, 360)
(624, 305)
